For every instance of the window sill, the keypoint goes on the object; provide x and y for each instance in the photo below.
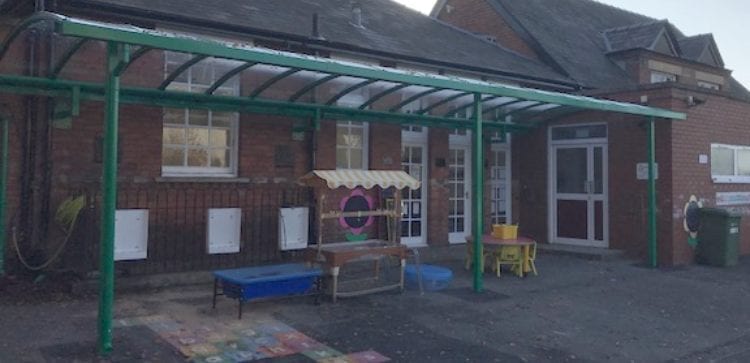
(202, 179)
(731, 179)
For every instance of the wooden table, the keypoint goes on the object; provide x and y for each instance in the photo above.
(525, 243)
(335, 255)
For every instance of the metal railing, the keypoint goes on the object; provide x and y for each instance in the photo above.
(178, 221)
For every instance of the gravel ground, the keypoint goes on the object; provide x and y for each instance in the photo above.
(575, 310)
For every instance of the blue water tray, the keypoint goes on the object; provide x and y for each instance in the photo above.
(433, 277)
(265, 281)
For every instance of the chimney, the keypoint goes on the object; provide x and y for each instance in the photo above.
(316, 27)
(357, 15)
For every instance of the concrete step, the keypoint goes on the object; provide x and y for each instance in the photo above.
(588, 253)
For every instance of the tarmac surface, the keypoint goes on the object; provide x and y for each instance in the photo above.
(575, 311)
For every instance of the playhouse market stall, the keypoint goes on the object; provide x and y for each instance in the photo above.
(334, 255)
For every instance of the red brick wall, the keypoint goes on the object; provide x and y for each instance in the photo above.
(718, 120)
(437, 148)
(11, 105)
(628, 147)
(627, 195)
(479, 16)
(529, 163)
(678, 144)
(74, 150)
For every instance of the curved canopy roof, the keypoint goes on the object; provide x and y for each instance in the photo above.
(285, 83)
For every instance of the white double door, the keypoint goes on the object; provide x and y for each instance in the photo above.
(459, 186)
(579, 200)
(414, 201)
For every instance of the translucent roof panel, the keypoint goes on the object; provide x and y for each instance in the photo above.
(197, 71)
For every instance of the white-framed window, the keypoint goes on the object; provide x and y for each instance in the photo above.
(661, 77)
(730, 163)
(463, 113)
(709, 85)
(200, 142)
(351, 145)
(352, 138)
(413, 107)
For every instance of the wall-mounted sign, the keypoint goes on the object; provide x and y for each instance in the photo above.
(732, 198)
(641, 171)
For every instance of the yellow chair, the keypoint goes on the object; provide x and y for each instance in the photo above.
(532, 258)
(509, 255)
(470, 256)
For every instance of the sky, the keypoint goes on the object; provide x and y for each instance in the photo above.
(724, 18)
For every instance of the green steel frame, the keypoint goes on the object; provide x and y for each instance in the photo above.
(349, 90)
(477, 229)
(382, 94)
(178, 99)
(120, 39)
(65, 57)
(275, 79)
(499, 106)
(180, 70)
(311, 86)
(467, 106)
(442, 102)
(227, 76)
(414, 98)
(134, 56)
(116, 57)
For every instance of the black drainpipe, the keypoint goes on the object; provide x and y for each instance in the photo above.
(46, 149)
(28, 140)
(314, 143)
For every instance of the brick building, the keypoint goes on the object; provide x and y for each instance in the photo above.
(178, 163)
(617, 54)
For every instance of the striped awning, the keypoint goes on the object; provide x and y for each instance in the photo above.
(367, 179)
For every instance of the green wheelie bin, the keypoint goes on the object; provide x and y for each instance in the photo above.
(718, 237)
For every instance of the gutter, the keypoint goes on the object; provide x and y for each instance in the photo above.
(664, 85)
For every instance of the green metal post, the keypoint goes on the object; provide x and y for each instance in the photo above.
(109, 198)
(478, 193)
(3, 195)
(652, 193)
(316, 120)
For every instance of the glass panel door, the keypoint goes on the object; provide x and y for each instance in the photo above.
(579, 194)
(598, 195)
(570, 187)
(413, 220)
(459, 199)
(499, 184)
